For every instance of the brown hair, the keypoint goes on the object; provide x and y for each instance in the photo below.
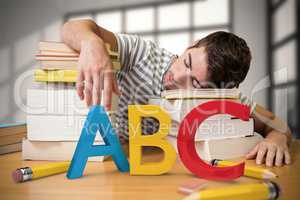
(228, 58)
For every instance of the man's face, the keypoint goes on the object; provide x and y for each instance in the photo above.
(188, 71)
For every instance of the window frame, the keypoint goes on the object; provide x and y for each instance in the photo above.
(272, 46)
(155, 32)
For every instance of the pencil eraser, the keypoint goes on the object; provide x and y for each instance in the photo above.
(17, 176)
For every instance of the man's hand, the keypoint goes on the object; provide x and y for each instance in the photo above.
(94, 65)
(273, 150)
(95, 74)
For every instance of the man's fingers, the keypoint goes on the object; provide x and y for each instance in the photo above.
(270, 156)
(287, 157)
(88, 86)
(96, 89)
(107, 89)
(80, 85)
(253, 152)
(279, 157)
(261, 154)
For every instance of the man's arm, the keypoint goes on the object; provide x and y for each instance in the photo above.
(94, 65)
(274, 148)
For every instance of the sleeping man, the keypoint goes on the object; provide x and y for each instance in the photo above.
(219, 60)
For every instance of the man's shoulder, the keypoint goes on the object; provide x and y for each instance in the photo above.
(138, 42)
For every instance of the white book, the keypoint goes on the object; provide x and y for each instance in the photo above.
(179, 108)
(51, 151)
(224, 149)
(57, 101)
(55, 127)
(219, 129)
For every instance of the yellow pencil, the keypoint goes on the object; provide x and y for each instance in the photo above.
(29, 173)
(250, 171)
(254, 191)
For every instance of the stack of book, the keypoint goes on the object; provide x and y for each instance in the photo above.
(11, 136)
(218, 137)
(58, 62)
(55, 114)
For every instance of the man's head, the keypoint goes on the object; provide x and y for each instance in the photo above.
(219, 60)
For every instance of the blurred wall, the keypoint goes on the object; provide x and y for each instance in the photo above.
(24, 23)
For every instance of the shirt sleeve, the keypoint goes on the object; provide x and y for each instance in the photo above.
(132, 49)
(249, 102)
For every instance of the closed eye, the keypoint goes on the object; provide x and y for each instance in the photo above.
(196, 84)
(187, 65)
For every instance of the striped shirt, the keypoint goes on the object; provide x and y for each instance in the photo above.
(141, 77)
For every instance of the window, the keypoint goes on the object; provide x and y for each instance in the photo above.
(285, 63)
(174, 42)
(77, 17)
(173, 16)
(284, 60)
(285, 105)
(212, 12)
(201, 34)
(284, 20)
(110, 20)
(173, 25)
(138, 20)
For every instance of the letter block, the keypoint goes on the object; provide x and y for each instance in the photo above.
(137, 140)
(186, 139)
(97, 120)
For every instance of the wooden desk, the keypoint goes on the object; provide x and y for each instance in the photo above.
(103, 181)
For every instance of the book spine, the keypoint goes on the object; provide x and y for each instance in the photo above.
(71, 65)
(232, 148)
(55, 128)
(55, 101)
(12, 139)
(10, 148)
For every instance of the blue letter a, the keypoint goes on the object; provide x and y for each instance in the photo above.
(97, 119)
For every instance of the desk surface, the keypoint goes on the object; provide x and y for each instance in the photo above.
(103, 181)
